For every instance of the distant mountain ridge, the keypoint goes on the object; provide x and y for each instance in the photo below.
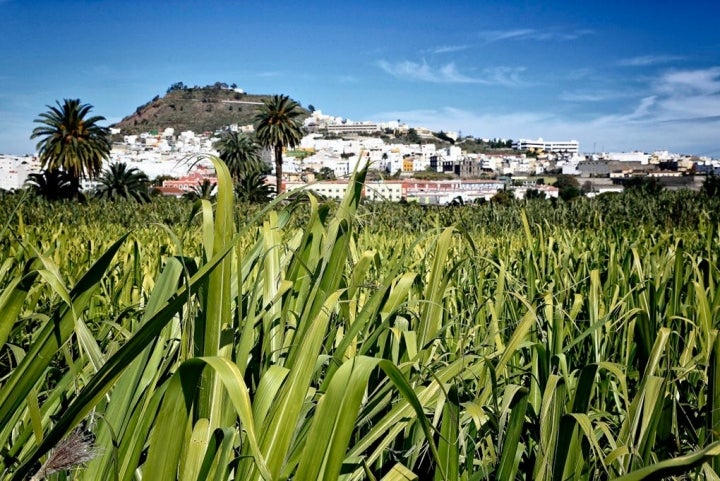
(200, 109)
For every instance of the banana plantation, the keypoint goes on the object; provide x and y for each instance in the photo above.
(313, 340)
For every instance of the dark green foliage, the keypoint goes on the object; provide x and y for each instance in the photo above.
(252, 188)
(242, 156)
(412, 136)
(644, 185)
(532, 194)
(711, 186)
(568, 186)
(477, 145)
(325, 173)
(503, 197)
(444, 137)
(120, 182)
(176, 86)
(53, 184)
(237, 150)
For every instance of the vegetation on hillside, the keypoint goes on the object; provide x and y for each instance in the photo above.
(199, 109)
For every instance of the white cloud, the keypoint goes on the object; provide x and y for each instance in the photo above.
(690, 82)
(617, 132)
(678, 110)
(679, 96)
(642, 110)
(550, 34)
(449, 49)
(448, 73)
(497, 35)
(647, 60)
(592, 95)
(507, 76)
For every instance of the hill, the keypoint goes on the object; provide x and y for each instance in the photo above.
(200, 109)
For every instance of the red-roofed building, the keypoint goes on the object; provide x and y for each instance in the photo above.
(188, 183)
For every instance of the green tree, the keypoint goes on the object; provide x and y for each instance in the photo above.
(568, 187)
(176, 86)
(326, 173)
(242, 156)
(278, 126)
(72, 141)
(643, 185)
(532, 194)
(412, 136)
(158, 181)
(503, 197)
(119, 181)
(52, 184)
(251, 187)
(237, 150)
(444, 137)
(711, 186)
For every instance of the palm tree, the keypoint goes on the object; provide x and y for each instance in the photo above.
(278, 126)
(250, 185)
(119, 181)
(72, 141)
(52, 184)
(237, 150)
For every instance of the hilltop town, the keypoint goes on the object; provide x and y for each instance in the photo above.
(407, 162)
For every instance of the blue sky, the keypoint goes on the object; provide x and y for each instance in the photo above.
(613, 75)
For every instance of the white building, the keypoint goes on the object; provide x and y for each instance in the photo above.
(636, 156)
(550, 192)
(569, 146)
(14, 170)
(353, 128)
(388, 191)
(332, 189)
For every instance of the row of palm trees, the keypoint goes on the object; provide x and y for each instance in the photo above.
(117, 181)
(73, 146)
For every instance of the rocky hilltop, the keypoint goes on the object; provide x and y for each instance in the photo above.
(200, 109)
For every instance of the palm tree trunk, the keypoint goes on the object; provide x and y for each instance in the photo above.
(278, 168)
(75, 183)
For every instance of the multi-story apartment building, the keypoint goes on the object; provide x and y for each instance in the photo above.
(565, 146)
(354, 128)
